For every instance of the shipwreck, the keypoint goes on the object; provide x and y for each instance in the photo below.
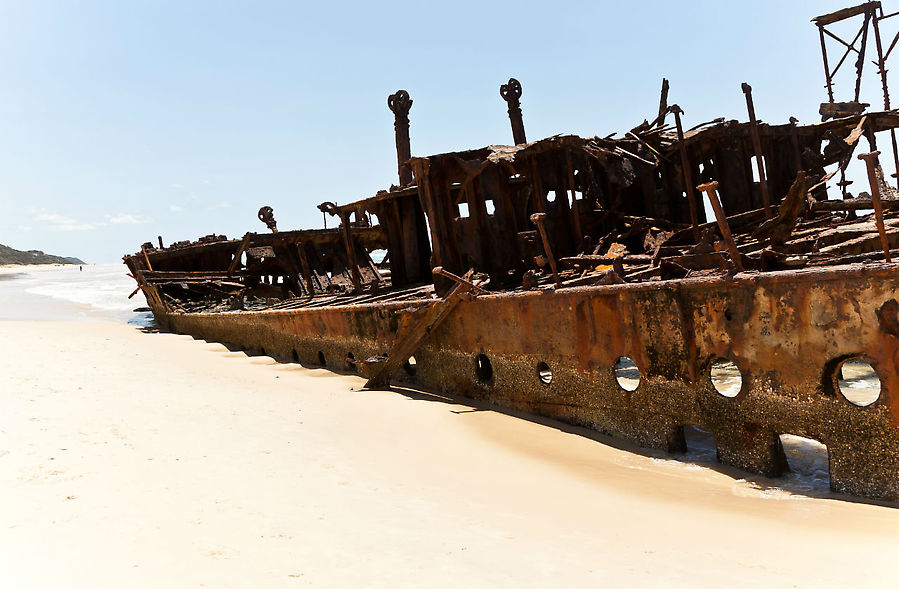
(586, 280)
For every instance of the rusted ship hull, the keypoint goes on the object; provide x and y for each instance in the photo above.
(529, 276)
(788, 333)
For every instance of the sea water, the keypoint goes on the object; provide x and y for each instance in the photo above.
(92, 292)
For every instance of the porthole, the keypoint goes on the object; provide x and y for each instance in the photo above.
(627, 374)
(858, 382)
(544, 373)
(321, 358)
(483, 368)
(350, 362)
(726, 378)
(411, 366)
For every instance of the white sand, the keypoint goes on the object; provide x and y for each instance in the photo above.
(155, 460)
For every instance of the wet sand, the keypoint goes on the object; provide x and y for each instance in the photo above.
(155, 460)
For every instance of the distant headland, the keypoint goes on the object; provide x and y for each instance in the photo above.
(9, 255)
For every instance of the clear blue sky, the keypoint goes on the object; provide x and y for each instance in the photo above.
(124, 120)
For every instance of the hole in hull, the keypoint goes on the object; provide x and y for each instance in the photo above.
(544, 373)
(700, 445)
(726, 378)
(483, 368)
(411, 366)
(627, 374)
(809, 463)
(858, 382)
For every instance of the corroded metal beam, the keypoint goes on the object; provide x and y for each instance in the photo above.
(870, 160)
(757, 148)
(511, 93)
(399, 104)
(711, 189)
(685, 170)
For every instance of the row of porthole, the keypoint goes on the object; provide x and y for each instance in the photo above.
(627, 374)
(855, 378)
(857, 381)
(349, 363)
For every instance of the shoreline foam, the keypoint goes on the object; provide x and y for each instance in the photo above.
(63, 292)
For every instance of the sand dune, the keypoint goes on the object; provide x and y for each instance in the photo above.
(155, 460)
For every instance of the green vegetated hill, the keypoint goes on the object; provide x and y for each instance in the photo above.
(9, 255)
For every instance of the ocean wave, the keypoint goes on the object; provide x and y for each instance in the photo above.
(103, 289)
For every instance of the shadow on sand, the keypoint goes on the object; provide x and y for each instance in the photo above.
(701, 448)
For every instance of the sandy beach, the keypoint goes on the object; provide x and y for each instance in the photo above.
(153, 459)
(138, 459)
